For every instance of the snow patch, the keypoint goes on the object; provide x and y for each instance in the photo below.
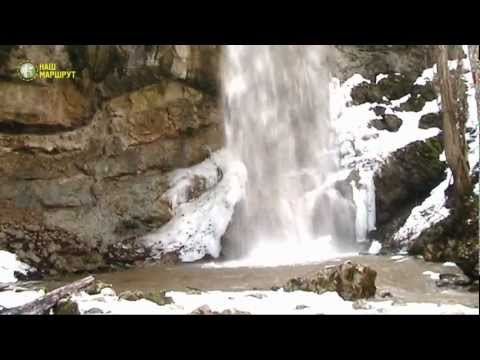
(449, 264)
(429, 212)
(380, 77)
(198, 225)
(375, 248)
(427, 76)
(9, 264)
(11, 298)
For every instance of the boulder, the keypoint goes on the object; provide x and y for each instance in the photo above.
(406, 178)
(66, 307)
(454, 239)
(131, 295)
(159, 298)
(97, 287)
(388, 122)
(452, 281)
(351, 281)
(431, 120)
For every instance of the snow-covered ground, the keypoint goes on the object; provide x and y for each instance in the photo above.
(263, 302)
(363, 146)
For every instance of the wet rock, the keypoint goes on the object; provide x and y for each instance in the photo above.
(159, 298)
(351, 281)
(31, 275)
(193, 291)
(66, 307)
(171, 258)
(131, 295)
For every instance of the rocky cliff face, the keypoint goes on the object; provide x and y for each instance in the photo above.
(83, 161)
(404, 177)
(412, 190)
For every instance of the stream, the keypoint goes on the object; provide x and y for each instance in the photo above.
(407, 279)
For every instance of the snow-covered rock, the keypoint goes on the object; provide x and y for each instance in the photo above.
(198, 225)
(430, 212)
(9, 264)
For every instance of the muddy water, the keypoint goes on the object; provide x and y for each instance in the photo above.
(403, 278)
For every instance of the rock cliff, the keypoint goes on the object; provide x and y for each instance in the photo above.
(84, 161)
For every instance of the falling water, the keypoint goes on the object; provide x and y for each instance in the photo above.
(278, 124)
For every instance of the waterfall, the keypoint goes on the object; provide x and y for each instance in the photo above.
(276, 100)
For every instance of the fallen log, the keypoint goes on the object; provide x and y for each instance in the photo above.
(43, 304)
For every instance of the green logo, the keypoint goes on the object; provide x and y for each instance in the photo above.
(27, 71)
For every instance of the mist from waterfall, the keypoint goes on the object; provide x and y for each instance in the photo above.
(278, 123)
